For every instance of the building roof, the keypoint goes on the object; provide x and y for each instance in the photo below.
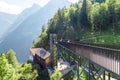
(40, 52)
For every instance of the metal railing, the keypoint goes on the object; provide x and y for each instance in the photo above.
(107, 58)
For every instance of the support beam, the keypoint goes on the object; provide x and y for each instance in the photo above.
(108, 76)
(78, 68)
(89, 69)
(104, 75)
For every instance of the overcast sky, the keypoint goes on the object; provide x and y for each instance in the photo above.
(16, 6)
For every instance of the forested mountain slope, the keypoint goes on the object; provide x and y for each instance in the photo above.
(80, 19)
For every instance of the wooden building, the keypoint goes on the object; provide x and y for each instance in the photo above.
(41, 57)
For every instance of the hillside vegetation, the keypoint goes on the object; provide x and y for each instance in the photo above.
(10, 69)
(83, 21)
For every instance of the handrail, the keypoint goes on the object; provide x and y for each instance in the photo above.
(105, 57)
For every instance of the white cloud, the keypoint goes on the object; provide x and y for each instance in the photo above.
(19, 5)
(9, 8)
(41, 2)
(73, 1)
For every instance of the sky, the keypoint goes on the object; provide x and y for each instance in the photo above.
(17, 6)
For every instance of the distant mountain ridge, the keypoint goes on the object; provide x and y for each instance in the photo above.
(6, 20)
(24, 14)
(22, 37)
(19, 19)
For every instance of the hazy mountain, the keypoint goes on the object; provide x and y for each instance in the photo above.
(21, 17)
(6, 20)
(22, 37)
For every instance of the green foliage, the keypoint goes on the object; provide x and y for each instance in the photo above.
(7, 72)
(84, 15)
(10, 69)
(107, 38)
(27, 73)
(43, 75)
(100, 17)
(75, 78)
(56, 75)
(10, 55)
(42, 39)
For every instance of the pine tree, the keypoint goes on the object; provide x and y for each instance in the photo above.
(10, 55)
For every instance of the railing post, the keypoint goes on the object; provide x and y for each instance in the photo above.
(108, 76)
(104, 75)
(89, 69)
(78, 68)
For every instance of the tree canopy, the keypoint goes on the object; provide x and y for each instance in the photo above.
(11, 69)
(86, 16)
